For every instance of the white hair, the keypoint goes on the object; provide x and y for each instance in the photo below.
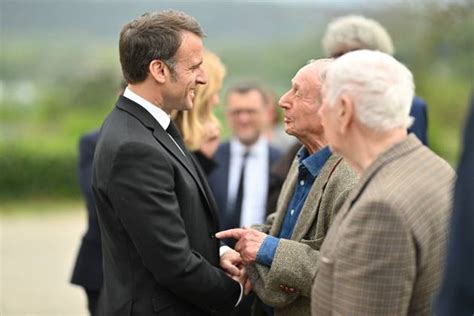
(381, 88)
(354, 32)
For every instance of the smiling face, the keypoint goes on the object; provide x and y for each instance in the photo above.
(188, 73)
(246, 115)
(301, 103)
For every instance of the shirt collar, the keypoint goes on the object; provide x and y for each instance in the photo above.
(315, 162)
(160, 116)
(237, 148)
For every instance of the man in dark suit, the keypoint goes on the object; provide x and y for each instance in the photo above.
(241, 179)
(88, 268)
(156, 212)
(457, 290)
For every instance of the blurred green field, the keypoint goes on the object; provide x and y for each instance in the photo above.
(53, 91)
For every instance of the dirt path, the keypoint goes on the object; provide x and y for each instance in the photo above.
(37, 255)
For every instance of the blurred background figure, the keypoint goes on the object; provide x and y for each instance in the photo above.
(88, 271)
(240, 180)
(457, 291)
(352, 32)
(199, 127)
(88, 268)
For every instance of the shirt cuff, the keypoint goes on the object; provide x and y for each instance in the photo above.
(267, 251)
(223, 250)
(241, 294)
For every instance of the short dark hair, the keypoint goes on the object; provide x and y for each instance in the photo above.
(155, 35)
(246, 87)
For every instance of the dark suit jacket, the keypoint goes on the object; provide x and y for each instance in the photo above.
(88, 268)
(418, 110)
(457, 290)
(157, 220)
(218, 178)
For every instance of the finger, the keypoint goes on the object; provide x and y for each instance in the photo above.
(231, 269)
(248, 287)
(235, 233)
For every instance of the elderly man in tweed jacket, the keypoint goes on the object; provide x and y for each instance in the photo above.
(282, 264)
(383, 254)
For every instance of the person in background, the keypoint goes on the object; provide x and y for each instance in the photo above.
(352, 32)
(87, 270)
(240, 180)
(282, 256)
(456, 296)
(383, 254)
(199, 126)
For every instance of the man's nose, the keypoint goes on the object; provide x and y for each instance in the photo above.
(201, 77)
(283, 102)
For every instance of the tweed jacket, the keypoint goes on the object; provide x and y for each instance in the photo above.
(383, 254)
(286, 286)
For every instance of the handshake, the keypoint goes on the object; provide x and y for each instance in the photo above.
(233, 261)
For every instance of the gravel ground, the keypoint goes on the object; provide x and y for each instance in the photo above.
(37, 257)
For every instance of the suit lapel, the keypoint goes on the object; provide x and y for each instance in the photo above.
(163, 138)
(308, 213)
(285, 196)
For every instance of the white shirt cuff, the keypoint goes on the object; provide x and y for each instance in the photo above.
(241, 294)
(223, 250)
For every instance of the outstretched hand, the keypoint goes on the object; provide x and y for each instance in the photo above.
(248, 242)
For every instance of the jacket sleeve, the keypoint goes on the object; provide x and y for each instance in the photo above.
(141, 189)
(295, 263)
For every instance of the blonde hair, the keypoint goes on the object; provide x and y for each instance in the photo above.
(354, 32)
(193, 123)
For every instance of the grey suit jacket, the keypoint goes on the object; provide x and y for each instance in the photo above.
(383, 254)
(287, 284)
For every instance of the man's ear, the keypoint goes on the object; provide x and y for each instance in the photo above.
(345, 113)
(158, 70)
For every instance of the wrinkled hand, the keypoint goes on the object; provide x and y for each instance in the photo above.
(232, 263)
(249, 242)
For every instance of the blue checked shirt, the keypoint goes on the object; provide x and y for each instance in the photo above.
(308, 169)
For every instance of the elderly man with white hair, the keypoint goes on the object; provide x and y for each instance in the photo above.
(383, 253)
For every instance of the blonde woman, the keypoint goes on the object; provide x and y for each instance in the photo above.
(199, 126)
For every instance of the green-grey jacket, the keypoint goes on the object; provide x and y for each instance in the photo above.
(286, 286)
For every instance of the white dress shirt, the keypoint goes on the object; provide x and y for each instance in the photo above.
(255, 180)
(160, 116)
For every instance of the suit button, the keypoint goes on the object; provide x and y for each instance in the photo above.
(212, 235)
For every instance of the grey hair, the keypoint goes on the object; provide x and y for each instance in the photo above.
(381, 88)
(354, 32)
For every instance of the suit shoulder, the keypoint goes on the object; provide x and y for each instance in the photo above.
(222, 151)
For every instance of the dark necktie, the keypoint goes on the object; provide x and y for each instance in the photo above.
(174, 132)
(234, 216)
